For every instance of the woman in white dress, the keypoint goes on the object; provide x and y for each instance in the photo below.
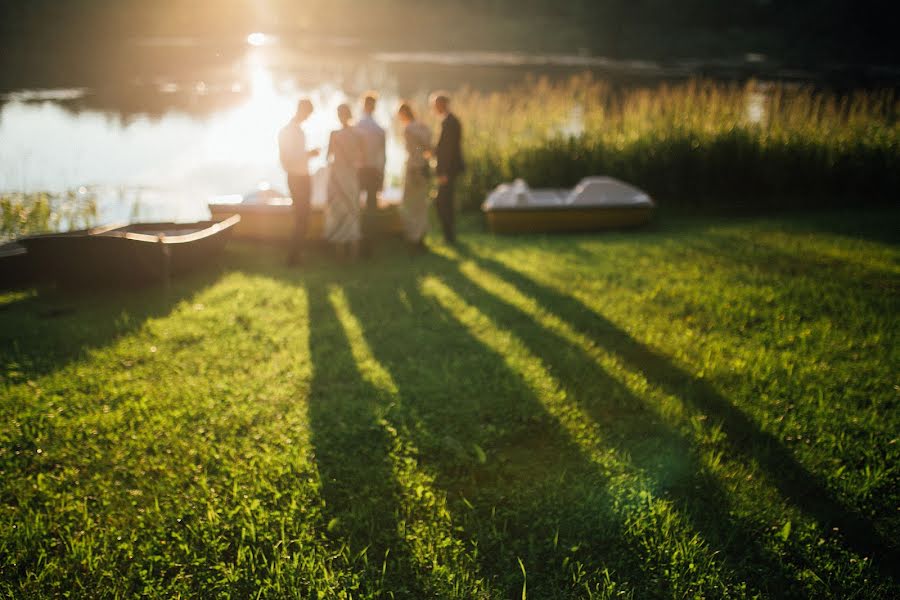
(342, 217)
(417, 177)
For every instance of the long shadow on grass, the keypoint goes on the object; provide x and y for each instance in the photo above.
(669, 458)
(537, 498)
(820, 272)
(873, 225)
(45, 331)
(352, 450)
(804, 489)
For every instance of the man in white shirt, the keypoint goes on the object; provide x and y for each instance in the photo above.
(371, 173)
(295, 162)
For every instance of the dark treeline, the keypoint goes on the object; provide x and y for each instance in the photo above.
(840, 29)
(848, 30)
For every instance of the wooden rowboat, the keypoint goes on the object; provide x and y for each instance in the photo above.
(595, 204)
(127, 254)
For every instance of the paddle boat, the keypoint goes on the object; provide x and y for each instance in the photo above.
(127, 254)
(596, 203)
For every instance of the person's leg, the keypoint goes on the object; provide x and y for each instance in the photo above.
(446, 212)
(295, 240)
(301, 189)
(415, 205)
(358, 234)
(369, 183)
(439, 205)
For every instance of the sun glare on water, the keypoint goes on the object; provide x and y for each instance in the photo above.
(238, 149)
(258, 39)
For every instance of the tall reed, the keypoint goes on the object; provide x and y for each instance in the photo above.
(694, 144)
(41, 212)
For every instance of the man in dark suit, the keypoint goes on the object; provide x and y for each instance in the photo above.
(448, 153)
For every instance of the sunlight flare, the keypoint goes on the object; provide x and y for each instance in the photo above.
(259, 39)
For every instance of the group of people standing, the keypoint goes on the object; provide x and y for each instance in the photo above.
(356, 161)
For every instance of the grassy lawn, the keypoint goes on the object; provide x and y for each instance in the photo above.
(704, 409)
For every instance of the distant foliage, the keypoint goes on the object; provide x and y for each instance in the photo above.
(813, 30)
(28, 213)
(689, 145)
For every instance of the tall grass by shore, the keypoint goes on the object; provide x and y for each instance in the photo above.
(24, 213)
(694, 144)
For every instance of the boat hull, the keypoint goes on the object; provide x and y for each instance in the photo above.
(15, 266)
(569, 219)
(275, 223)
(128, 255)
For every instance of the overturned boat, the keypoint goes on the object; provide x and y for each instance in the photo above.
(126, 254)
(596, 203)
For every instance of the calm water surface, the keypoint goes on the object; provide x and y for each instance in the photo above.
(158, 141)
(160, 147)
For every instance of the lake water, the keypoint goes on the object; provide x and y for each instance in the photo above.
(175, 122)
(159, 146)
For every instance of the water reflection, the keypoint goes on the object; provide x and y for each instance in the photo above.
(260, 39)
(171, 145)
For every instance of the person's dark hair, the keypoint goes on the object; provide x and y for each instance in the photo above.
(304, 106)
(344, 114)
(440, 100)
(406, 110)
(369, 100)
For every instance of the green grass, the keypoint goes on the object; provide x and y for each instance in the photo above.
(707, 408)
(695, 144)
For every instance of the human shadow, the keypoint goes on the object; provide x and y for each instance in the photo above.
(359, 488)
(877, 224)
(48, 328)
(807, 491)
(669, 458)
(823, 272)
(537, 497)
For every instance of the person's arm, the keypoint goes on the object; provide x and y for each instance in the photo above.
(361, 156)
(329, 153)
(458, 164)
(408, 140)
(414, 143)
(383, 157)
(282, 155)
(311, 153)
(440, 153)
(424, 142)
